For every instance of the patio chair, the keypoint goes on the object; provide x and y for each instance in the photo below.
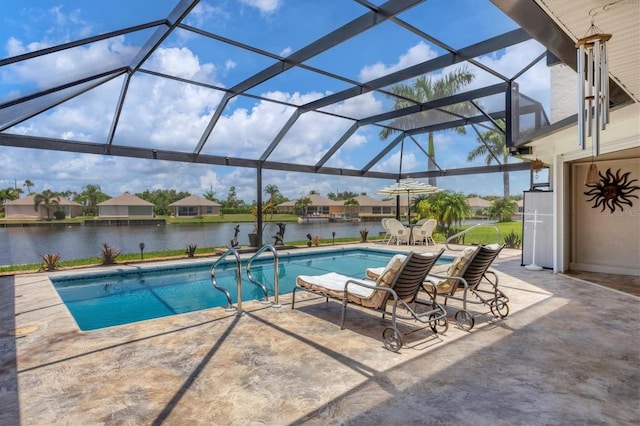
(469, 280)
(387, 235)
(398, 284)
(398, 232)
(423, 234)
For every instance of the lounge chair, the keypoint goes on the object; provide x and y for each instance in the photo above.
(399, 283)
(469, 274)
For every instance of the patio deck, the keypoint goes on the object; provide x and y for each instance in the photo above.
(568, 353)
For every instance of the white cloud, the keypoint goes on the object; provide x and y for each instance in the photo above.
(286, 52)
(416, 54)
(265, 6)
(205, 12)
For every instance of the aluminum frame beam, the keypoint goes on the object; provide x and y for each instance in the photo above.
(347, 31)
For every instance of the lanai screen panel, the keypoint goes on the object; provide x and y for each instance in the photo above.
(309, 138)
(86, 117)
(247, 127)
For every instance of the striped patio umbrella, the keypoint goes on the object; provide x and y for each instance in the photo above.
(408, 186)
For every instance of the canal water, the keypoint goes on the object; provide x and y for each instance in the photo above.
(19, 245)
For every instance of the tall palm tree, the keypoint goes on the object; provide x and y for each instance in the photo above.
(425, 89)
(29, 185)
(48, 199)
(493, 147)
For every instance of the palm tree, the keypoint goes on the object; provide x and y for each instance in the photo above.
(301, 206)
(452, 207)
(8, 194)
(492, 145)
(91, 196)
(503, 209)
(350, 205)
(29, 185)
(48, 199)
(425, 89)
(274, 194)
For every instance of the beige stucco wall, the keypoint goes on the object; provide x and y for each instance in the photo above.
(605, 241)
(113, 211)
(24, 212)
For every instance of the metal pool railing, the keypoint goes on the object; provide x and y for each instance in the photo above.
(276, 291)
(455, 236)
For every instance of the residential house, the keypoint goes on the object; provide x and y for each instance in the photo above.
(371, 208)
(320, 207)
(195, 205)
(23, 209)
(125, 206)
(478, 205)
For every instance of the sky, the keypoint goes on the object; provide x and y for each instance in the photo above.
(165, 114)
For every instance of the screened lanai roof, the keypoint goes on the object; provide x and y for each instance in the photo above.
(318, 88)
(222, 93)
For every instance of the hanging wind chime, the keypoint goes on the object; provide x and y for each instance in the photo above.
(593, 93)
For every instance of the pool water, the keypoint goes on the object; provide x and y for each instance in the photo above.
(107, 299)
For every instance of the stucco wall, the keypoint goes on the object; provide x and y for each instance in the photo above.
(605, 241)
(22, 212)
(563, 92)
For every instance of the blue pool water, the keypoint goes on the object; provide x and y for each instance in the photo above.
(106, 299)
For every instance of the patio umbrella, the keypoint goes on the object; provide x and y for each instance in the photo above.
(410, 187)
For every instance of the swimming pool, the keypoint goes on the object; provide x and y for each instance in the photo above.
(101, 300)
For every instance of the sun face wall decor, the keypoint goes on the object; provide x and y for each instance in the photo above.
(612, 191)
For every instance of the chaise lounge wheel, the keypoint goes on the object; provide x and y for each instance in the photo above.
(440, 325)
(500, 309)
(392, 339)
(464, 320)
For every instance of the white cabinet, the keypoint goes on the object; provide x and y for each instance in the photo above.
(537, 223)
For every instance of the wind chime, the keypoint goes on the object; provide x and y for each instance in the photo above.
(593, 93)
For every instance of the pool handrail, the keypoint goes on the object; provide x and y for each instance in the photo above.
(464, 231)
(273, 250)
(229, 307)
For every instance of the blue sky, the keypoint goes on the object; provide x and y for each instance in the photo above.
(165, 114)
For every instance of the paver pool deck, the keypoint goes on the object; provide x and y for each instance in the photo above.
(568, 353)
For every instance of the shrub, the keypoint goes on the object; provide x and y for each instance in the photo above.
(512, 240)
(191, 250)
(51, 261)
(59, 215)
(109, 255)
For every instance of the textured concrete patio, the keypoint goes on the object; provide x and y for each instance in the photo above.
(569, 353)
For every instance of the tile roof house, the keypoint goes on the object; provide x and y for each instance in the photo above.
(195, 205)
(320, 207)
(477, 203)
(125, 206)
(23, 209)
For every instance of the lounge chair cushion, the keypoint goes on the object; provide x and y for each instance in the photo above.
(375, 273)
(455, 270)
(332, 284)
(384, 280)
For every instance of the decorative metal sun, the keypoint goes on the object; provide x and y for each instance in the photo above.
(612, 191)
